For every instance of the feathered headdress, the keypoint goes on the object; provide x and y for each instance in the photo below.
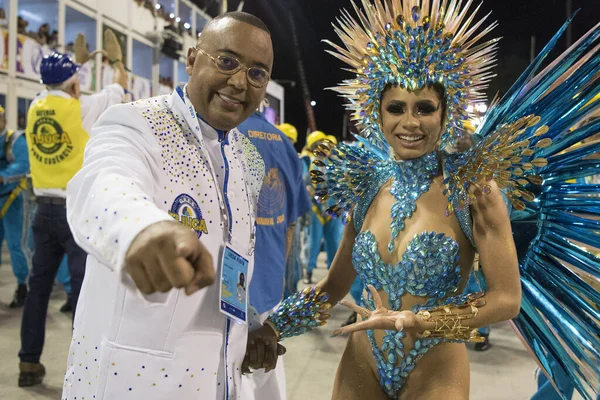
(413, 43)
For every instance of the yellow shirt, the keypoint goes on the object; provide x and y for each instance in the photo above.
(56, 141)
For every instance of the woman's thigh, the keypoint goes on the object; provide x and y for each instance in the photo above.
(355, 378)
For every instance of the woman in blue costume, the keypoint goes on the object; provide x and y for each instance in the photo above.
(416, 215)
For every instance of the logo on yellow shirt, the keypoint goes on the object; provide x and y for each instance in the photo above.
(49, 138)
(186, 211)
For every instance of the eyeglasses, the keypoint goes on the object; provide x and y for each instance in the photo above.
(229, 65)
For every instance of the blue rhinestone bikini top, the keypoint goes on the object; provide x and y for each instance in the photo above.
(428, 268)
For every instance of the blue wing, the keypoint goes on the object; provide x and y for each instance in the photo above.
(557, 225)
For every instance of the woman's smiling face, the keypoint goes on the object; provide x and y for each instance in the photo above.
(412, 121)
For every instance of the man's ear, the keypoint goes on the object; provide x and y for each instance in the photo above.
(74, 88)
(191, 59)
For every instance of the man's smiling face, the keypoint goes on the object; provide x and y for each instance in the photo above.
(225, 101)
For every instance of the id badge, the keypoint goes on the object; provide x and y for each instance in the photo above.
(234, 285)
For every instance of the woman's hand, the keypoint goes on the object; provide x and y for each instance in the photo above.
(381, 318)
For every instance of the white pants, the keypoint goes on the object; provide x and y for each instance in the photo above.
(261, 385)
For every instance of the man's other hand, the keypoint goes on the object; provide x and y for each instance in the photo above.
(262, 350)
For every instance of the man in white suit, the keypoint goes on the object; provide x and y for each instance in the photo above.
(150, 323)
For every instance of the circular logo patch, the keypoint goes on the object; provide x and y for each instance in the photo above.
(187, 212)
(272, 195)
(48, 135)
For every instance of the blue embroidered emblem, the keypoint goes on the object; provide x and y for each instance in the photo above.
(186, 211)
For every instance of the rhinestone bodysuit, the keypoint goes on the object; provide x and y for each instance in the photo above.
(428, 268)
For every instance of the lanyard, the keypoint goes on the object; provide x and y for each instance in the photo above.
(192, 121)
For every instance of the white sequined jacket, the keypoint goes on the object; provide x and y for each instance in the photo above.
(146, 162)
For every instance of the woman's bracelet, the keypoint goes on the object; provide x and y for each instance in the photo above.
(448, 319)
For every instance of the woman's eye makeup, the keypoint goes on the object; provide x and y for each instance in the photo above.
(426, 108)
(396, 108)
(420, 108)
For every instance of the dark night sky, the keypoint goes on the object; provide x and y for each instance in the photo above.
(518, 19)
